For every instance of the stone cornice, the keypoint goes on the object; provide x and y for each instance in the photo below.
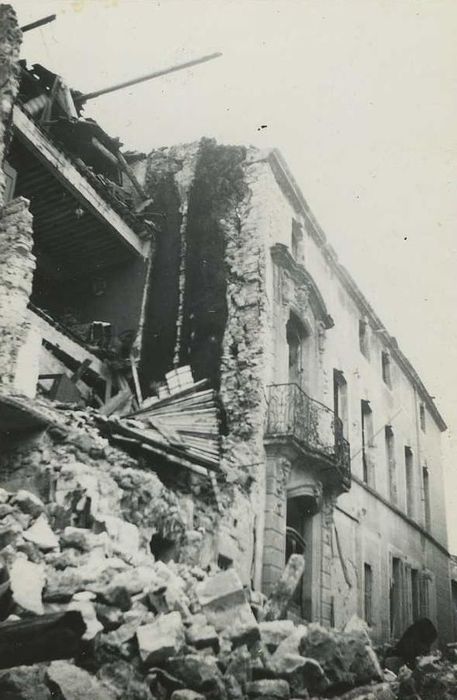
(281, 256)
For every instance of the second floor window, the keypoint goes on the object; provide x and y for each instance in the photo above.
(367, 442)
(363, 338)
(368, 593)
(422, 417)
(297, 242)
(386, 369)
(427, 509)
(391, 465)
(409, 477)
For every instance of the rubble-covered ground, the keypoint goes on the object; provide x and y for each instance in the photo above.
(79, 521)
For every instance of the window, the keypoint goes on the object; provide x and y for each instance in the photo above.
(386, 369)
(409, 476)
(391, 466)
(395, 597)
(367, 442)
(297, 242)
(340, 401)
(368, 593)
(363, 338)
(426, 482)
(422, 417)
(415, 594)
(424, 594)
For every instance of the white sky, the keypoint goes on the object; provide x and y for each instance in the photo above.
(359, 95)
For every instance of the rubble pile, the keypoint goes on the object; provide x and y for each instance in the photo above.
(96, 535)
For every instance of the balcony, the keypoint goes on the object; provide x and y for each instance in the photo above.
(295, 418)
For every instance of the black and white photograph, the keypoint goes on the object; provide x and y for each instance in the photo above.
(228, 350)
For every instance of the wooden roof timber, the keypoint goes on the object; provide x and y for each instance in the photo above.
(66, 172)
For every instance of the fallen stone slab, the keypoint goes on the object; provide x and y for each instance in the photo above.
(242, 632)
(201, 636)
(123, 681)
(284, 589)
(160, 639)
(274, 632)
(381, 691)
(200, 673)
(24, 683)
(224, 602)
(347, 659)
(74, 683)
(28, 503)
(186, 694)
(27, 582)
(268, 689)
(41, 638)
(41, 534)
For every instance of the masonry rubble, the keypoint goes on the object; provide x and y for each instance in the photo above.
(78, 539)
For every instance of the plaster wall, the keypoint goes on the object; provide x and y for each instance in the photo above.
(377, 525)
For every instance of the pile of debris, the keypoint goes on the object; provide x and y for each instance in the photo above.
(104, 595)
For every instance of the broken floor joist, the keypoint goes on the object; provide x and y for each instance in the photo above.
(66, 172)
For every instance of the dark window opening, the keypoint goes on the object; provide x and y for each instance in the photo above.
(368, 593)
(367, 441)
(395, 598)
(427, 511)
(386, 369)
(340, 400)
(415, 594)
(299, 516)
(297, 242)
(363, 338)
(296, 336)
(409, 475)
(391, 465)
(422, 417)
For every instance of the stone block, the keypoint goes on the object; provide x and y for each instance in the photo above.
(27, 583)
(223, 601)
(200, 673)
(201, 636)
(160, 639)
(28, 502)
(70, 682)
(41, 535)
(274, 632)
(284, 589)
(347, 659)
(270, 689)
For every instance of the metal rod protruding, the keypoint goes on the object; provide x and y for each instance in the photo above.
(38, 23)
(149, 76)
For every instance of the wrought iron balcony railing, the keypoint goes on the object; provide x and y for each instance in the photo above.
(293, 414)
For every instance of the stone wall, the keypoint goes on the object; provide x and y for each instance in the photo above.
(10, 41)
(17, 264)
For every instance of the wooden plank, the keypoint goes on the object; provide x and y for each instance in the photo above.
(117, 402)
(67, 345)
(67, 173)
(178, 394)
(43, 638)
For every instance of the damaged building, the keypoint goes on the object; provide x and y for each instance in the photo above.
(182, 351)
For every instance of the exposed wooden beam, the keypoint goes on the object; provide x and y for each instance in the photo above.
(67, 173)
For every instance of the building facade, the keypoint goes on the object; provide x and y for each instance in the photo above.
(321, 405)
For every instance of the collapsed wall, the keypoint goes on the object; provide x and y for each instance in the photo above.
(207, 303)
(17, 261)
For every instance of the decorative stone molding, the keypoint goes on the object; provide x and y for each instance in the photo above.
(302, 280)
